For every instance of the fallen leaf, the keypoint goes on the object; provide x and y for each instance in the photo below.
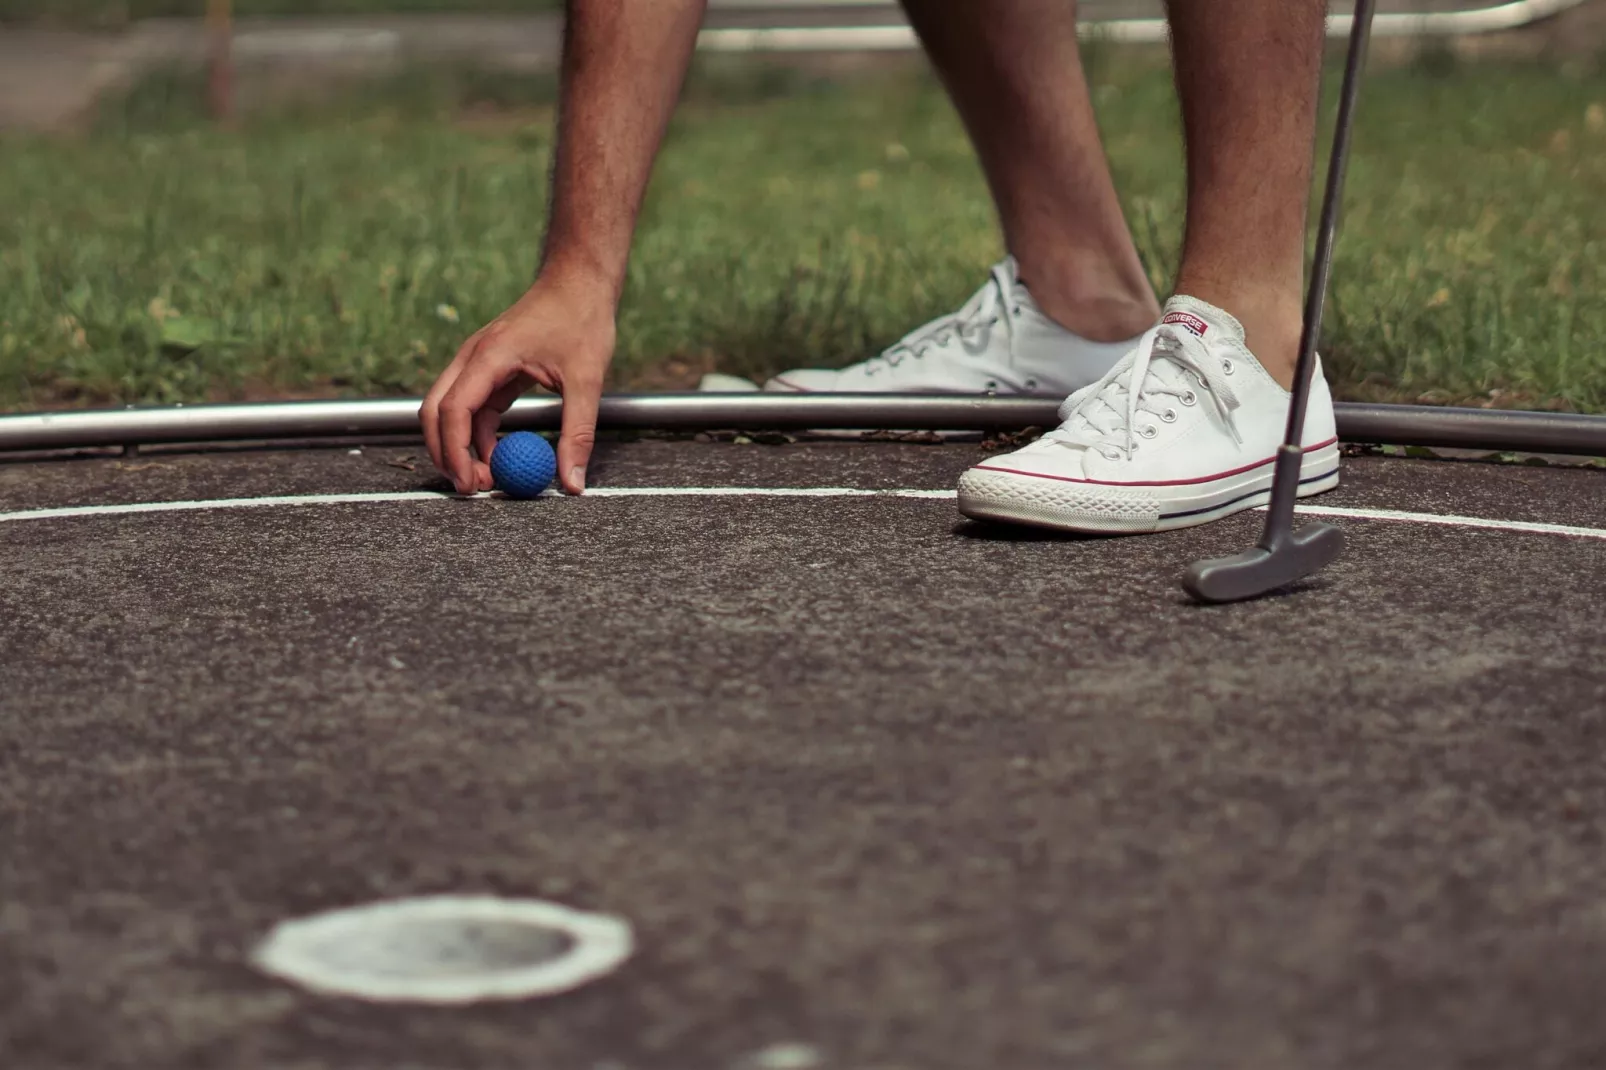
(185, 335)
(74, 331)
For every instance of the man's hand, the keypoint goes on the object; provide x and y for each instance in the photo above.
(559, 335)
(623, 63)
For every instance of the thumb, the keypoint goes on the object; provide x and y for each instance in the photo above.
(580, 402)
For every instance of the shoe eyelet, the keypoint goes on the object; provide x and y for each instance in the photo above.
(1190, 398)
(1226, 365)
(992, 386)
(1031, 384)
(1016, 310)
(1169, 416)
(1148, 431)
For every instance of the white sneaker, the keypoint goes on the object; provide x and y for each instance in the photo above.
(999, 343)
(1195, 441)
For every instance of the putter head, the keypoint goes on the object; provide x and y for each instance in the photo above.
(1259, 570)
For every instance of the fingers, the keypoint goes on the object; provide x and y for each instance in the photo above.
(537, 340)
(468, 395)
(486, 421)
(429, 412)
(580, 398)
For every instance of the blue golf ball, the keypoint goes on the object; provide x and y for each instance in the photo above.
(523, 465)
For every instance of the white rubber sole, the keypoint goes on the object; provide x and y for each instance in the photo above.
(720, 383)
(851, 435)
(1130, 509)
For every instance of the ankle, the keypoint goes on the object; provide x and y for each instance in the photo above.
(1272, 324)
(1103, 319)
(1098, 302)
(1107, 315)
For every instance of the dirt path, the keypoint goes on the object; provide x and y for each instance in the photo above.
(51, 78)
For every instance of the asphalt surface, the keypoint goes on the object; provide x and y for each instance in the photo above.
(865, 777)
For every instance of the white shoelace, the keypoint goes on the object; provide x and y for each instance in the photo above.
(1166, 363)
(993, 302)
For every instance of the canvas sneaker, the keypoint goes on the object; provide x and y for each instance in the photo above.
(1000, 342)
(1183, 430)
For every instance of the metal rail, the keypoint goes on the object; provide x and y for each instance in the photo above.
(794, 5)
(1402, 425)
(901, 38)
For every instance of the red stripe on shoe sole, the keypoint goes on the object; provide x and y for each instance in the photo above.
(1152, 483)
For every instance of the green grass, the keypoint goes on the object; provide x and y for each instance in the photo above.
(347, 248)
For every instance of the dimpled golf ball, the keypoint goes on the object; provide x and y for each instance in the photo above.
(523, 465)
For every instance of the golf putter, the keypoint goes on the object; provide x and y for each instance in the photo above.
(1284, 555)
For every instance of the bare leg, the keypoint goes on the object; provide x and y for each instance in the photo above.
(1015, 75)
(1248, 73)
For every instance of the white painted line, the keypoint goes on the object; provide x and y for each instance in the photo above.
(77, 511)
(219, 503)
(1525, 526)
(765, 492)
(74, 511)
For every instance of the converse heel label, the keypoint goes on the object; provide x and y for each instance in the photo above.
(1187, 319)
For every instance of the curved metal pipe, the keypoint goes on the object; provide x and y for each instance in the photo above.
(794, 5)
(1505, 430)
(901, 38)
(1403, 425)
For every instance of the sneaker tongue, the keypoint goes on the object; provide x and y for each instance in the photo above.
(1201, 319)
(1010, 288)
(1020, 289)
(1188, 317)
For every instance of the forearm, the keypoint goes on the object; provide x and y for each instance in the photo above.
(623, 65)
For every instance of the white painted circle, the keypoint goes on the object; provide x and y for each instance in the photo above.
(446, 949)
